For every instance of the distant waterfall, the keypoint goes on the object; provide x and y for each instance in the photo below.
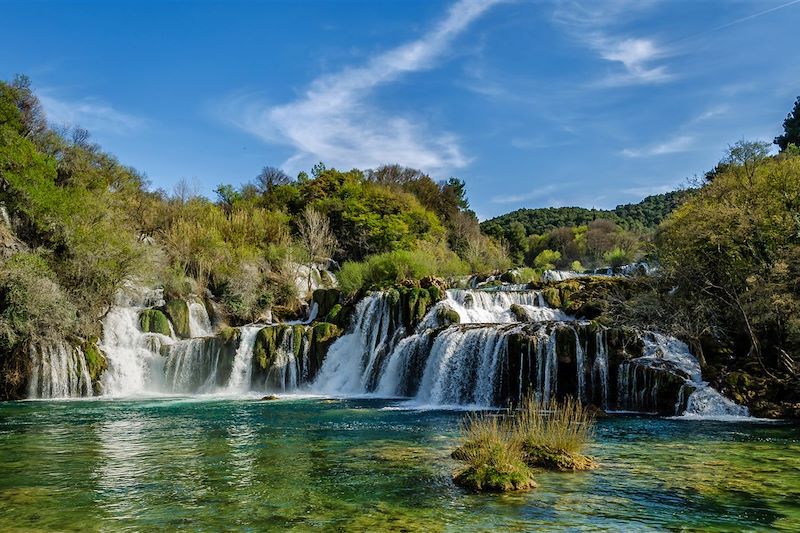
(58, 371)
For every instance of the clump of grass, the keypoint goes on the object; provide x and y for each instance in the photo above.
(500, 450)
(494, 456)
(554, 435)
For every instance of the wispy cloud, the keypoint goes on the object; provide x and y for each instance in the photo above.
(90, 113)
(649, 190)
(593, 24)
(681, 143)
(334, 120)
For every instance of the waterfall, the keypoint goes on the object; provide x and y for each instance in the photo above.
(58, 370)
(600, 367)
(199, 321)
(242, 370)
(462, 367)
(462, 364)
(284, 373)
(640, 381)
(580, 363)
(135, 361)
(354, 357)
(195, 365)
(493, 307)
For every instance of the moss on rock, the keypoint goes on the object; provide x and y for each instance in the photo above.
(552, 296)
(96, 362)
(447, 317)
(519, 312)
(551, 459)
(326, 300)
(490, 477)
(178, 313)
(154, 321)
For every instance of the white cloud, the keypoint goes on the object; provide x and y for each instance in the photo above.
(593, 25)
(334, 120)
(92, 114)
(681, 143)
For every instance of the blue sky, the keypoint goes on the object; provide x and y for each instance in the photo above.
(534, 104)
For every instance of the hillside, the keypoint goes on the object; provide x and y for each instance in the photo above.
(643, 215)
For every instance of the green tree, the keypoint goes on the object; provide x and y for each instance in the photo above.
(791, 128)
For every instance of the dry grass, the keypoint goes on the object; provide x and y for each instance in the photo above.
(494, 456)
(566, 426)
(499, 449)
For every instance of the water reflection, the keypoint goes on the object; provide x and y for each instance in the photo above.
(183, 464)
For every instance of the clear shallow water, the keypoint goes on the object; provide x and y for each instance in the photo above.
(354, 465)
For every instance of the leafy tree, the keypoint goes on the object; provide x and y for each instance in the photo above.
(791, 128)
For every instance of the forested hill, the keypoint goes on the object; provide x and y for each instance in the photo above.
(643, 215)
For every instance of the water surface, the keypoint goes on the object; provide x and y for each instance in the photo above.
(362, 465)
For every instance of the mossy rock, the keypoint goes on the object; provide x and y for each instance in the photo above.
(552, 296)
(266, 344)
(447, 317)
(325, 332)
(552, 459)
(230, 335)
(283, 313)
(326, 300)
(334, 314)
(519, 312)
(178, 313)
(96, 362)
(487, 477)
(154, 321)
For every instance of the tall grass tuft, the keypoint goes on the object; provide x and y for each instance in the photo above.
(494, 455)
(567, 426)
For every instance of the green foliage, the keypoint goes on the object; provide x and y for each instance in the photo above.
(791, 128)
(546, 259)
(616, 257)
(646, 214)
(32, 304)
(390, 268)
(732, 250)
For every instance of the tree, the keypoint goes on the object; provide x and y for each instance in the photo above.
(269, 178)
(316, 235)
(791, 128)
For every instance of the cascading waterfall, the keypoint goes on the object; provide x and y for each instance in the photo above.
(460, 365)
(242, 371)
(135, 360)
(356, 356)
(199, 321)
(474, 347)
(58, 371)
(600, 367)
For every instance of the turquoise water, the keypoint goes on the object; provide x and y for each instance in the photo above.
(361, 465)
